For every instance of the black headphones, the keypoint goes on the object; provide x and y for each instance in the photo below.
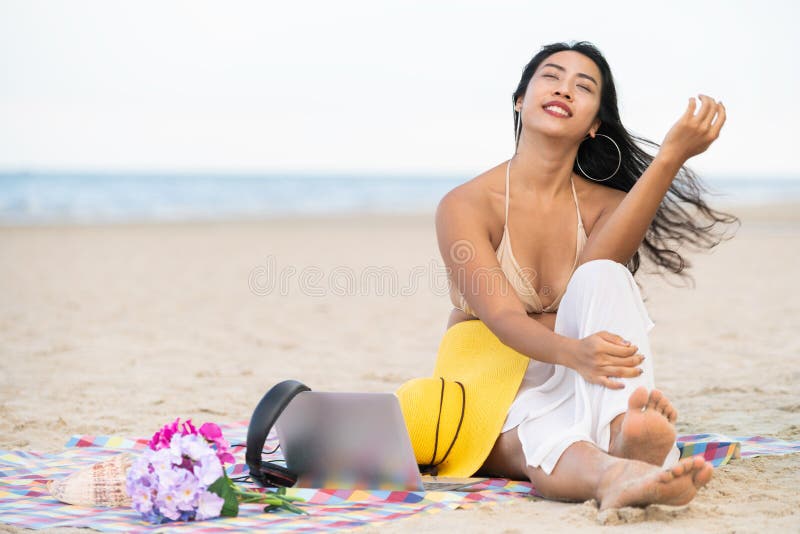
(270, 474)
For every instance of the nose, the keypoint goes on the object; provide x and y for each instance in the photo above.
(564, 94)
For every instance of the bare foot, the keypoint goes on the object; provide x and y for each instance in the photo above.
(647, 432)
(632, 483)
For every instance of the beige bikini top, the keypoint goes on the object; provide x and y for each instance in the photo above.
(515, 273)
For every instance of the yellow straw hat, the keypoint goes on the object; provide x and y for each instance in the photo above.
(455, 416)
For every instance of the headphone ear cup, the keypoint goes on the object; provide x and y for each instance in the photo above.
(276, 475)
(264, 417)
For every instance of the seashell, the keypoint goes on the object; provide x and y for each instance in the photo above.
(100, 484)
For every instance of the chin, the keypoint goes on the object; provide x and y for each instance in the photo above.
(554, 131)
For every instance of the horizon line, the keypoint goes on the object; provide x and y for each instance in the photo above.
(356, 173)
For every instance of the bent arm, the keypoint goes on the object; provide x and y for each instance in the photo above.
(531, 338)
(620, 229)
(466, 248)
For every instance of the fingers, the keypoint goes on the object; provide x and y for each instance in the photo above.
(623, 372)
(630, 361)
(690, 109)
(707, 109)
(614, 338)
(620, 345)
(720, 121)
(713, 110)
(603, 380)
(610, 384)
(619, 351)
(706, 115)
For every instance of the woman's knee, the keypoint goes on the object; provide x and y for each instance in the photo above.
(601, 275)
(601, 268)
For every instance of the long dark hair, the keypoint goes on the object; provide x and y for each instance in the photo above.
(673, 223)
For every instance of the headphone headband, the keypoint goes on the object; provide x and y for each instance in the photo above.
(264, 417)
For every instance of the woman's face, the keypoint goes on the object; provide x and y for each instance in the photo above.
(568, 79)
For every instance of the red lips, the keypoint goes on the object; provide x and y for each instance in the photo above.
(559, 104)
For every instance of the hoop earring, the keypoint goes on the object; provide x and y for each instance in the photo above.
(518, 129)
(619, 153)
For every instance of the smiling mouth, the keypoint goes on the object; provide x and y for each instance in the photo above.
(557, 112)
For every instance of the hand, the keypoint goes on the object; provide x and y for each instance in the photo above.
(693, 134)
(603, 356)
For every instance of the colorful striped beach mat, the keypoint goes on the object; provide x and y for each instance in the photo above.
(25, 501)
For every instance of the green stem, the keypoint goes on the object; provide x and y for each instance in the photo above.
(272, 499)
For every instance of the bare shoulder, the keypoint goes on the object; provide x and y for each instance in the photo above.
(612, 197)
(475, 199)
(597, 199)
(602, 195)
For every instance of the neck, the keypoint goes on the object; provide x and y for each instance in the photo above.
(544, 164)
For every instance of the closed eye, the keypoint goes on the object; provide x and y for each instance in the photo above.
(556, 77)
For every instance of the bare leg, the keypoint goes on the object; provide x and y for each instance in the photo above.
(646, 431)
(506, 460)
(585, 472)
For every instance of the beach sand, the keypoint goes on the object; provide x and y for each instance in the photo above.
(118, 329)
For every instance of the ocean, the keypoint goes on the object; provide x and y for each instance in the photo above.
(92, 198)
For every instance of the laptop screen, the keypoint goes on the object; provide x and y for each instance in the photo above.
(348, 440)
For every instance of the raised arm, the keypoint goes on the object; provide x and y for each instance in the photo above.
(466, 248)
(621, 227)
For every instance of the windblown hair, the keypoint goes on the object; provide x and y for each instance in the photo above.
(673, 224)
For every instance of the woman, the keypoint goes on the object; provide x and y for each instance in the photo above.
(578, 200)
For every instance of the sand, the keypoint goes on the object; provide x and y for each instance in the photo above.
(117, 329)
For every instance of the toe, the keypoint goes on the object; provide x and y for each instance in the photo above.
(687, 465)
(672, 414)
(664, 406)
(703, 475)
(698, 463)
(678, 469)
(656, 397)
(638, 399)
(666, 476)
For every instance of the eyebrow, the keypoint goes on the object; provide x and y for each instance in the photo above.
(580, 74)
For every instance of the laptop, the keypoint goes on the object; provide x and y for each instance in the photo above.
(354, 441)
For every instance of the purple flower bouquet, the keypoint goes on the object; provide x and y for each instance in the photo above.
(181, 477)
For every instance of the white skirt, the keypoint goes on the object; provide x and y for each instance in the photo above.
(555, 406)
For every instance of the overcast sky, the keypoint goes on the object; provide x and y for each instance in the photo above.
(371, 86)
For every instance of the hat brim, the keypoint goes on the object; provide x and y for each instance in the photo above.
(491, 373)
